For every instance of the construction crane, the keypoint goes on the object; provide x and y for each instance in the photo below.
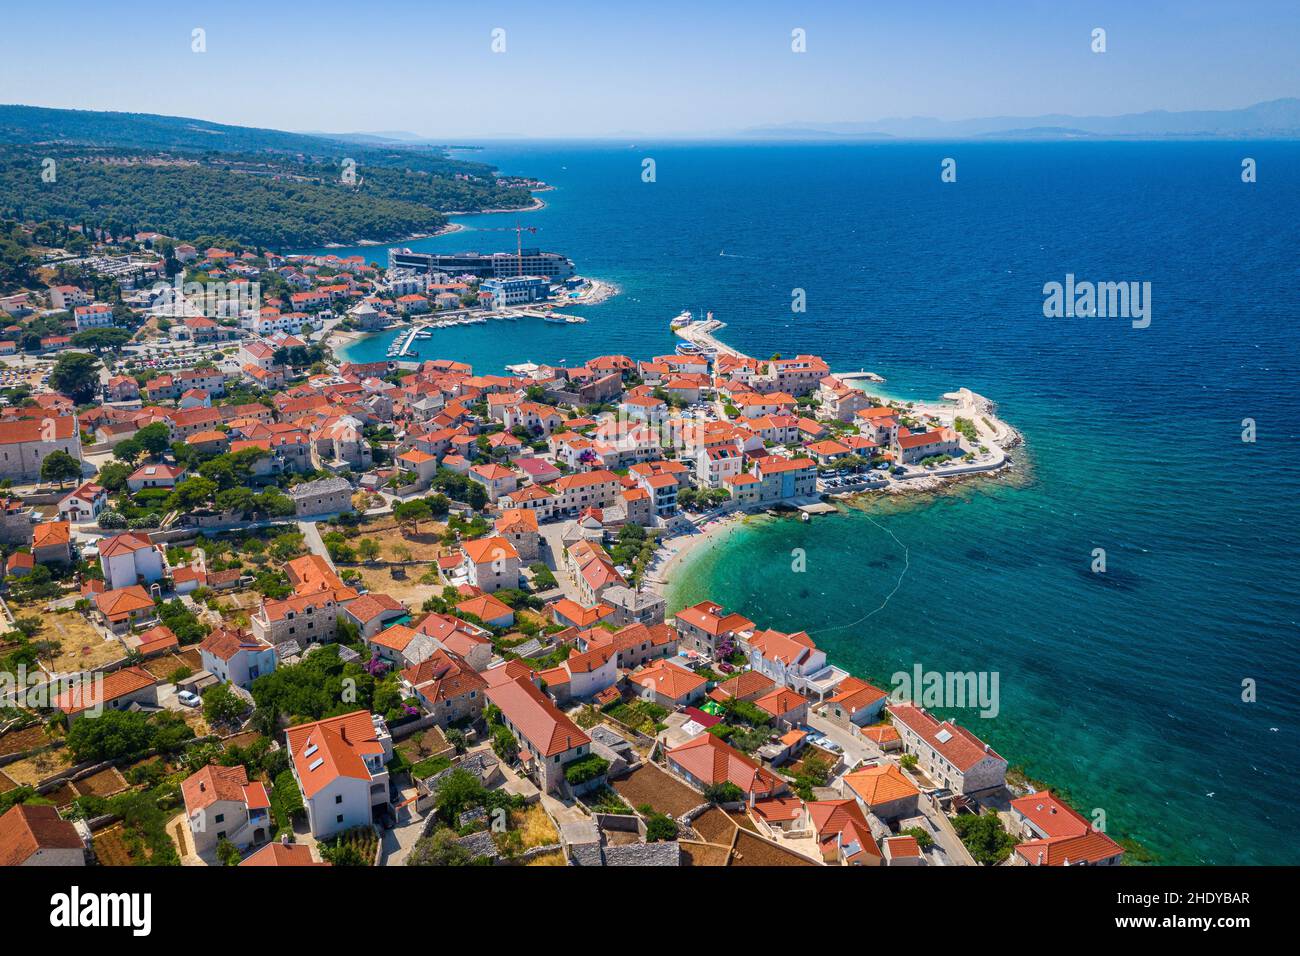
(519, 231)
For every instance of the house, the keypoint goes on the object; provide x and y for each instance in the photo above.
(489, 610)
(157, 640)
(709, 629)
(882, 789)
(747, 685)
(635, 644)
(492, 563)
(706, 761)
(497, 479)
(123, 608)
(582, 675)
(569, 613)
(1055, 834)
(83, 504)
(668, 685)
(855, 704)
(471, 642)
(307, 618)
(52, 542)
(902, 851)
(448, 688)
(16, 518)
(548, 739)
(843, 833)
(322, 497)
(788, 709)
(373, 612)
(130, 558)
(340, 764)
(918, 446)
(519, 527)
(35, 835)
(235, 656)
(789, 659)
(222, 804)
(951, 756)
(117, 690)
(155, 476)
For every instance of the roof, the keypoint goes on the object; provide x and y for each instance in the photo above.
(746, 684)
(712, 619)
(375, 605)
(780, 700)
(50, 534)
(217, 784)
(581, 616)
(671, 680)
(225, 643)
(842, 822)
(325, 750)
(534, 716)
(853, 694)
(880, 784)
(1091, 847)
(443, 675)
(283, 854)
(126, 543)
(120, 602)
(711, 760)
(29, 828)
(483, 550)
(956, 744)
(119, 683)
(485, 607)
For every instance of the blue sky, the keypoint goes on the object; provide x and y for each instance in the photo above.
(620, 68)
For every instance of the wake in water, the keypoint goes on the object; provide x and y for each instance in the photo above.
(897, 584)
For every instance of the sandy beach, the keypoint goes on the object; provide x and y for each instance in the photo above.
(674, 551)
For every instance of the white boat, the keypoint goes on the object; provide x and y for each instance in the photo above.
(683, 318)
(575, 320)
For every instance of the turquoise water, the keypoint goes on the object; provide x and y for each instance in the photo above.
(1123, 688)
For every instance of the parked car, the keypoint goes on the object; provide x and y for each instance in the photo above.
(189, 698)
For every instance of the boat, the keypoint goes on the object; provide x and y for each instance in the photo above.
(575, 320)
(686, 348)
(684, 318)
(552, 317)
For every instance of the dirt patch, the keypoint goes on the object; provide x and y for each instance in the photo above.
(163, 667)
(535, 825)
(549, 859)
(30, 771)
(702, 854)
(111, 848)
(21, 741)
(649, 784)
(715, 826)
(424, 546)
(752, 851)
(102, 784)
(404, 587)
(77, 645)
(6, 784)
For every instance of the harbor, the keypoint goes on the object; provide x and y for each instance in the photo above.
(403, 345)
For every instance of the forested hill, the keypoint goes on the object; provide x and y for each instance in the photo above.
(181, 177)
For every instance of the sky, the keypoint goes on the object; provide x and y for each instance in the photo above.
(624, 68)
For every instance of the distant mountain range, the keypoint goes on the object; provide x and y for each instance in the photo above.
(1275, 119)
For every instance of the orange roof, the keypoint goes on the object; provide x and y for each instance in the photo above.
(27, 829)
(283, 854)
(780, 701)
(50, 534)
(578, 615)
(709, 759)
(534, 716)
(712, 619)
(517, 520)
(119, 683)
(126, 543)
(880, 784)
(325, 750)
(842, 822)
(485, 607)
(671, 680)
(117, 604)
(958, 745)
(443, 676)
(483, 550)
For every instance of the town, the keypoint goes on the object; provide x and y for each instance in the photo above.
(268, 607)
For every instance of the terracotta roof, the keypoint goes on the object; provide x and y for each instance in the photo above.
(712, 619)
(368, 607)
(958, 745)
(325, 750)
(485, 607)
(483, 550)
(709, 759)
(880, 784)
(119, 683)
(216, 784)
(843, 822)
(283, 854)
(28, 828)
(49, 534)
(117, 604)
(126, 543)
(443, 676)
(671, 680)
(534, 716)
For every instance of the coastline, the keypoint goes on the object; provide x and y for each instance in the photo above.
(675, 552)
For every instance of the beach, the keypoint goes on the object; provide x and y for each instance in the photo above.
(674, 552)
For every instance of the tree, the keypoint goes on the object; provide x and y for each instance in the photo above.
(660, 826)
(227, 853)
(439, 849)
(985, 837)
(154, 439)
(412, 513)
(127, 451)
(191, 493)
(368, 549)
(61, 467)
(113, 476)
(76, 375)
(221, 705)
(99, 340)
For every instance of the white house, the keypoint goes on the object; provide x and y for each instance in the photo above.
(83, 504)
(237, 656)
(221, 803)
(340, 765)
(130, 558)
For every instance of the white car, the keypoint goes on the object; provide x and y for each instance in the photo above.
(189, 698)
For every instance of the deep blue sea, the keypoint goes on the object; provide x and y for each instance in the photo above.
(1123, 688)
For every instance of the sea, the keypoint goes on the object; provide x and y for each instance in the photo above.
(1159, 694)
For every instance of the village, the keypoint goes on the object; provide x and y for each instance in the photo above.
(263, 606)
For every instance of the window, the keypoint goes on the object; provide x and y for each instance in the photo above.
(220, 818)
(339, 818)
(338, 798)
